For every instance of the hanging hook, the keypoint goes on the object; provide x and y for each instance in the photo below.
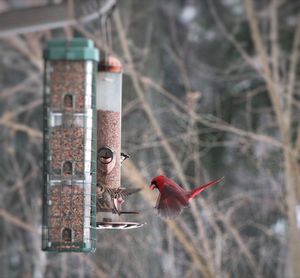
(108, 31)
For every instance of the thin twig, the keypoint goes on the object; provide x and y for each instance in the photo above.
(267, 74)
(292, 72)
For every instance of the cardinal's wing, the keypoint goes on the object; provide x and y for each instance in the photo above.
(171, 202)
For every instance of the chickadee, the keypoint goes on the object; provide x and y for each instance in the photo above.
(124, 156)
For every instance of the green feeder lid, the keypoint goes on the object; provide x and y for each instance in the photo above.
(75, 49)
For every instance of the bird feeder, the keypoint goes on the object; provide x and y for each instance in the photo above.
(109, 103)
(69, 199)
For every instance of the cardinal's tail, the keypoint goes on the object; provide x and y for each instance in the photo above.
(198, 190)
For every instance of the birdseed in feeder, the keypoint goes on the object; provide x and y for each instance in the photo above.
(69, 200)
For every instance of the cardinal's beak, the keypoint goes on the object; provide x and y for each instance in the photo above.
(152, 186)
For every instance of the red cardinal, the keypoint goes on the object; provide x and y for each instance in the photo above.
(173, 198)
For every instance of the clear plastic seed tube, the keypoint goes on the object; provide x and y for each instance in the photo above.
(109, 101)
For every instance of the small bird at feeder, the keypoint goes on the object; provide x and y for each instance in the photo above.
(124, 156)
(173, 198)
(109, 199)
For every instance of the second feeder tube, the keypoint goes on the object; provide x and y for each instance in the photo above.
(109, 101)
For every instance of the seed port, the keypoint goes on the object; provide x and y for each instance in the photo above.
(106, 155)
(68, 102)
(66, 235)
(67, 168)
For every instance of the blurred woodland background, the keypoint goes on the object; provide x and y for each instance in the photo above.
(211, 89)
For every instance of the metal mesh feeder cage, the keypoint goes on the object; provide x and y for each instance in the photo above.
(69, 199)
(110, 195)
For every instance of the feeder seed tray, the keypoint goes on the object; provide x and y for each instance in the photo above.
(118, 225)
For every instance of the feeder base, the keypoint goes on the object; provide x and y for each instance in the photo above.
(118, 225)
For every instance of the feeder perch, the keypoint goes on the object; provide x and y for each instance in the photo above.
(109, 103)
(118, 225)
(69, 198)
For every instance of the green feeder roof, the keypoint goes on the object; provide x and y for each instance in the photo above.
(75, 49)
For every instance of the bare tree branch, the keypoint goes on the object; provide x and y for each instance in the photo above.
(292, 72)
(49, 17)
(261, 51)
